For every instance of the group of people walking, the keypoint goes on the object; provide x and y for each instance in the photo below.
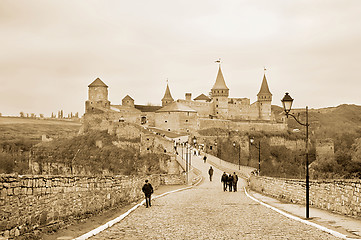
(229, 181)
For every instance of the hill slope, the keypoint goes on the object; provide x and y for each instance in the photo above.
(28, 128)
(330, 122)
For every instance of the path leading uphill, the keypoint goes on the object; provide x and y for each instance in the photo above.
(206, 212)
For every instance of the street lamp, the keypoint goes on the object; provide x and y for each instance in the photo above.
(287, 104)
(259, 153)
(239, 154)
(217, 155)
(194, 139)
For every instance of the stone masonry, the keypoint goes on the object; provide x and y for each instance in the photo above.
(31, 202)
(341, 196)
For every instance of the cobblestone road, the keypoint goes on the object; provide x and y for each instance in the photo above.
(206, 212)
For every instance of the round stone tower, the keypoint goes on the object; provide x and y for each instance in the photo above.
(97, 96)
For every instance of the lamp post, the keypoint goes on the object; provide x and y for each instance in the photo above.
(186, 153)
(215, 144)
(239, 154)
(194, 139)
(259, 153)
(287, 104)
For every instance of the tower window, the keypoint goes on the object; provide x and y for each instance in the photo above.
(186, 120)
(216, 105)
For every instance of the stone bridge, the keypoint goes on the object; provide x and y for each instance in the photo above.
(205, 211)
(202, 211)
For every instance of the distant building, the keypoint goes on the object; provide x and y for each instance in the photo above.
(187, 115)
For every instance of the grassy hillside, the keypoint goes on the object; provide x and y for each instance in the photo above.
(84, 155)
(12, 128)
(18, 135)
(330, 122)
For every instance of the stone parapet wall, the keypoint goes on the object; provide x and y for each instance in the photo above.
(38, 201)
(341, 196)
(266, 126)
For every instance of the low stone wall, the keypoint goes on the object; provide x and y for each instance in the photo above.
(341, 196)
(266, 126)
(37, 201)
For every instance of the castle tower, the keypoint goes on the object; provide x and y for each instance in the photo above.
(128, 101)
(264, 99)
(97, 96)
(167, 99)
(220, 93)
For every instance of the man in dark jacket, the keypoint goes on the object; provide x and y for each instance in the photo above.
(235, 180)
(230, 182)
(224, 180)
(148, 190)
(210, 172)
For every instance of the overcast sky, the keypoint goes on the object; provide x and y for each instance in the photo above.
(50, 51)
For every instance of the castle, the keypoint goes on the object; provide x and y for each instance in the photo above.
(187, 115)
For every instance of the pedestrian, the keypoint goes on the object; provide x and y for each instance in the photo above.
(147, 190)
(210, 172)
(230, 182)
(224, 180)
(235, 180)
(204, 158)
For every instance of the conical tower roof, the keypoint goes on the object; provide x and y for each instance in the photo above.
(167, 95)
(264, 87)
(97, 83)
(220, 83)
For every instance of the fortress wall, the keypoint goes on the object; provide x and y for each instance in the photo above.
(34, 201)
(237, 111)
(290, 144)
(242, 126)
(150, 118)
(341, 196)
(203, 108)
(176, 121)
(205, 123)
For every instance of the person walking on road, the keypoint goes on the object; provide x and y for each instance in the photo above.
(235, 180)
(224, 180)
(230, 182)
(147, 190)
(210, 172)
(204, 158)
